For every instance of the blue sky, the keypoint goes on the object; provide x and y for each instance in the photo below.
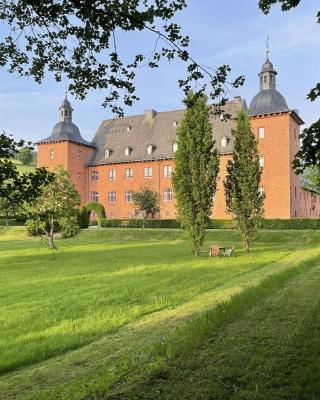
(222, 32)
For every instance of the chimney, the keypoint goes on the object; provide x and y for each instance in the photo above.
(149, 116)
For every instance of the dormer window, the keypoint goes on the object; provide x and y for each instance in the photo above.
(107, 153)
(65, 113)
(150, 149)
(175, 147)
(128, 128)
(175, 124)
(224, 141)
(127, 150)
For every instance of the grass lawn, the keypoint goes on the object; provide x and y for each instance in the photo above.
(24, 168)
(86, 323)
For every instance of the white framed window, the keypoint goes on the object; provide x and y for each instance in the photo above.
(127, 150)
(147, 172)
(112, 174)
(79, 176)
(261, 133)
(261, 190)
(128, 173)
(175, 147)
(167, 171)
(94, 175)
(167, 194)
(112, 197)
(128, 196)
(175, 124)
(95, 197)
(107, 153)
(261, 161)
(51, 154)
(150, 149)
(79, 154)
(224, 141)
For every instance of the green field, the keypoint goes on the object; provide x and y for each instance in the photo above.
(24, 168)
(115, 310)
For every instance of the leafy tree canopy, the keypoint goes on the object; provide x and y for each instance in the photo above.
(244, 198)
(311, 178)
(77, 40)
(147, 201)
(14, 187)
(25, 156)
(309, 153)
(54, 208)
(196, 169)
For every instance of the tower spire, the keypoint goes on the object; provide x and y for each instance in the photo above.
(66, 110)
(268, 73)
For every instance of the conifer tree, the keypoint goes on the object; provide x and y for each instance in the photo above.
(244, 197)
(196, 169)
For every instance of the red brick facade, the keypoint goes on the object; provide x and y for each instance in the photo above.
(112, 184)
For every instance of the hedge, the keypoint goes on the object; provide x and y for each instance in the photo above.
(213, 224)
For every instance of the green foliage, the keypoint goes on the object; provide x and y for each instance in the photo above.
(68, 38)
(122, 291)
(309, 153)
(242, 184)
(15, 187)
(54, 209)
(84, 218)
(196, 169)
(111, 223)
(311, 178)
(296, 223)
(147, 201)
(25, 156)
(153, 223)
(98, 208)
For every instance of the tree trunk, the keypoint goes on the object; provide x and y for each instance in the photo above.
(248, 245)
(7, 220)
(51, 233)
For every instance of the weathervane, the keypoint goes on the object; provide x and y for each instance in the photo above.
(66, 91)
(267, 45)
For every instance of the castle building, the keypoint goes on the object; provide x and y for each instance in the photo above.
(130, 152)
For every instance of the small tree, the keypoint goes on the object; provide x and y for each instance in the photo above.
(244, 197)
(25, 156)
(147, 201)
(197, 167)
(54, 209)
(311, 178)
(5, 209)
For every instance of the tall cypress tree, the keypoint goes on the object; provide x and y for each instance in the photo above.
(244, 198)
(196, 169)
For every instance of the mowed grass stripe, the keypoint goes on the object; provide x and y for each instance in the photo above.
(270, 351)
(168, 290)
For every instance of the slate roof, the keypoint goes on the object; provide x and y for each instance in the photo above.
(63, 131)
(268, 102)
(157, 129)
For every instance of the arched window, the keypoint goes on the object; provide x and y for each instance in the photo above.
(127, 150)
(175, 147)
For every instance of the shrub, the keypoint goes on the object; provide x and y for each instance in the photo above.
(153, 223)
(83, 218)
(301, 223)
(111, 223)
(98, 208)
